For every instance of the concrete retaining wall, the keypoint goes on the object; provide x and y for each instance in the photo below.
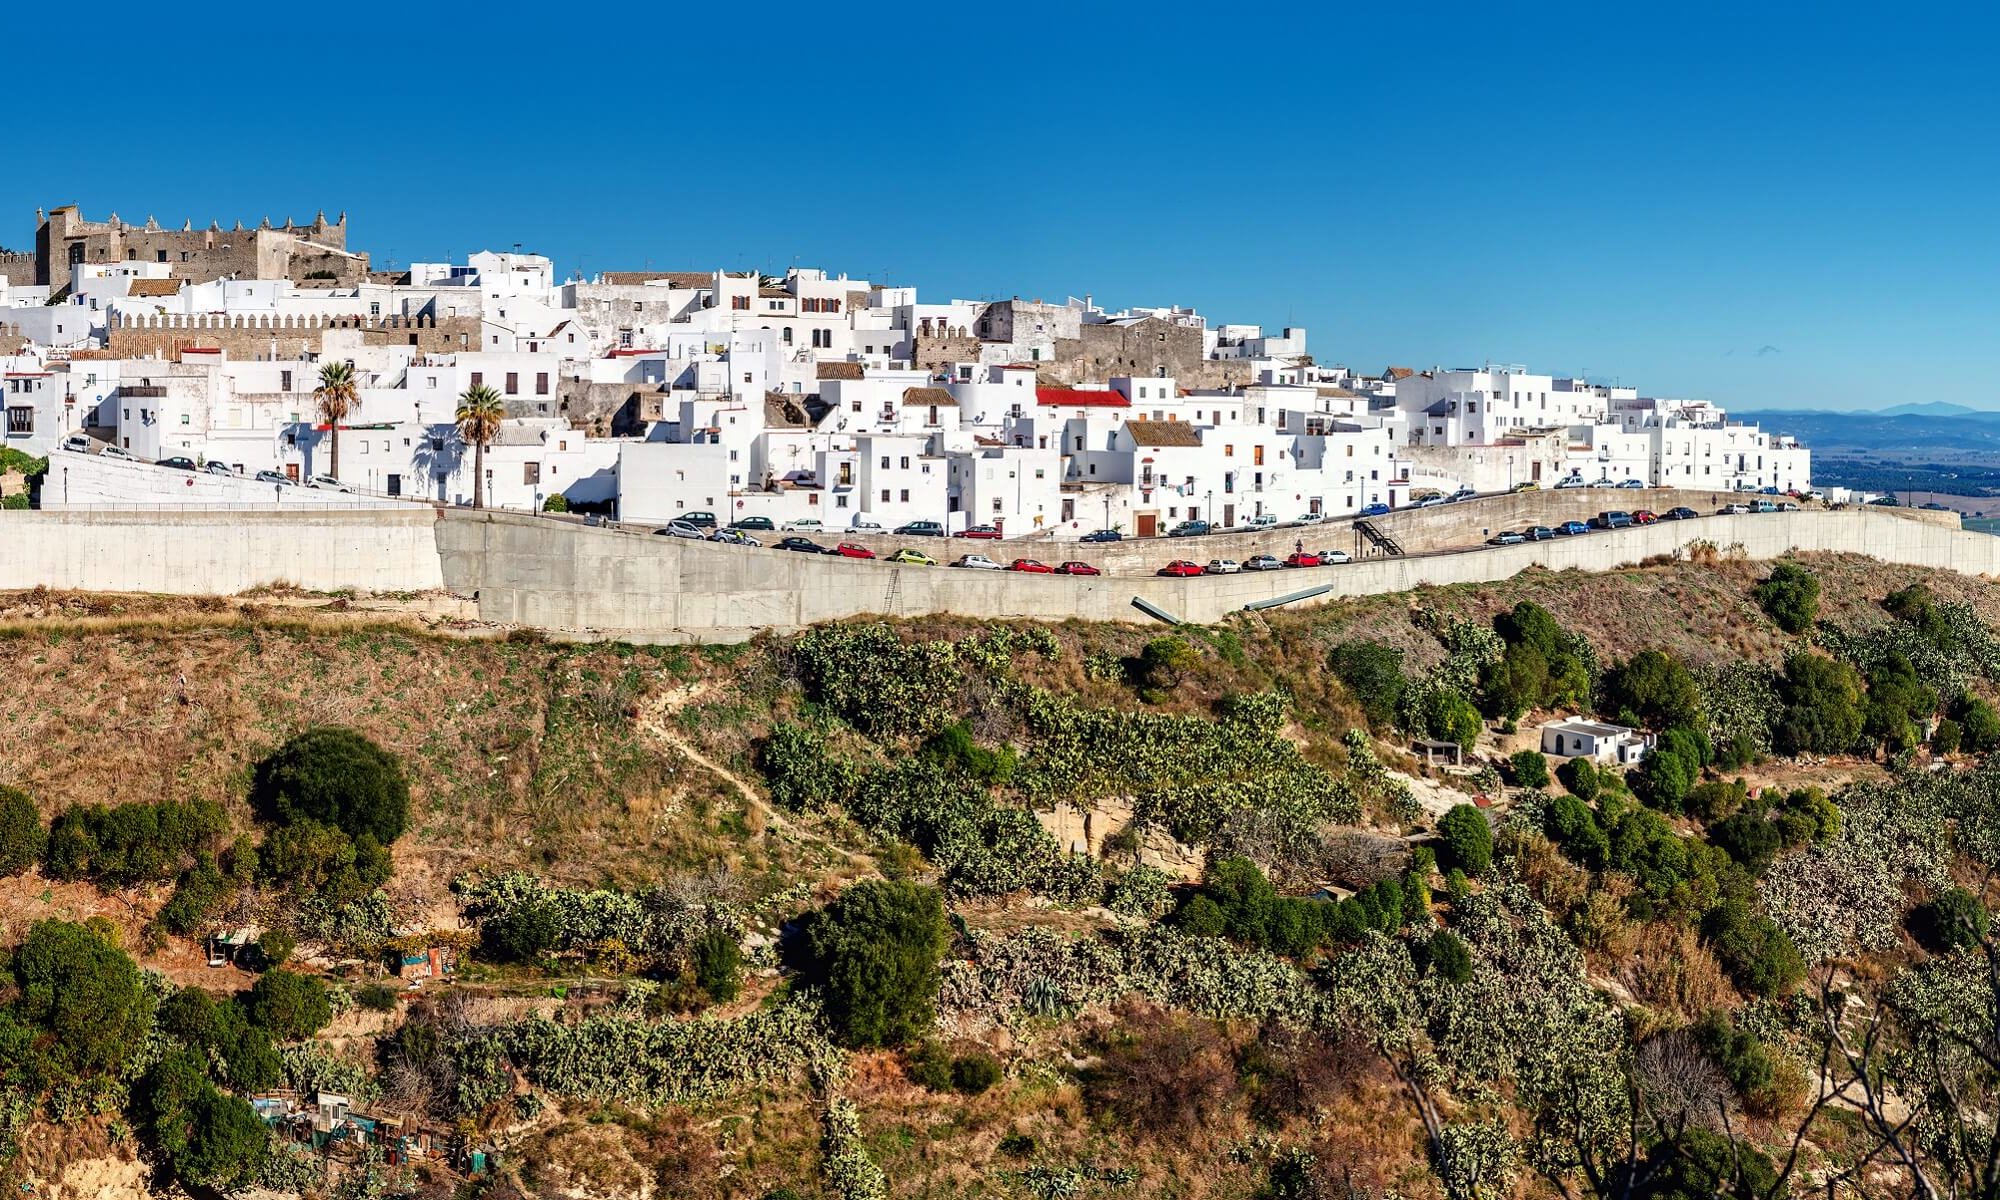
(205, 552)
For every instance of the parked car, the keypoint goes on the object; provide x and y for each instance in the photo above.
(861, 526)
(219, 468)
(1029, 566)
(179, 463)
(1375, 510)
(804, 525)
(1506, 537)
(1263, 562)
(1927, 506)
(703, 520)
(762, 523)
(976, 562)
(1682, 513)
(801, 545)
(1300, 558)
(1645, 516)
(680, 529)
(850, 550)
(118, 452)
(1103, 535)
(1223, 566)
(1602, 481)
(1538, 533)
(1261, 521)
(1076, 568)
(261, 476)
(1328, 558)
(1310, 519)
(1180, 568)
(1615, 519)
(327, 483)
(1763, 506)
(1527, 485)
(1788, 506)
(1768, 491)
(920, 529)
(1189, 529)
(1572, 529)
(1632, 483)
(1879, 501)
(1462, 494)
(984, 532)
(732, 537)
(1573, 481)
(77, 443)
(914, 558)
(1430, 501)
(1731, 510)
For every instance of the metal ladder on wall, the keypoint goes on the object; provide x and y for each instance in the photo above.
(895, 590)
(1365, 531)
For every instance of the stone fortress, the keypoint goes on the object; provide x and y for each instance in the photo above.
(307, 254)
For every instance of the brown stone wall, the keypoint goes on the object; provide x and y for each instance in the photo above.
(930, 352)
(243, 338)
(196, 254)
(1141, 348)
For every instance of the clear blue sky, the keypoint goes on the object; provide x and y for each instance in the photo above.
(1763, 207)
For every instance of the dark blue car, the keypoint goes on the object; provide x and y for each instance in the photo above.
(1103, 535)
(1572, 528)
(1375, 510)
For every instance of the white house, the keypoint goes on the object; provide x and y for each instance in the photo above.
(1597, 740)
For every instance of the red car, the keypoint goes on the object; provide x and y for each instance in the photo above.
(1645, 516)
(1030, 566)
(850, 550)
(1302, 560)
(1181, 568)
(978, 531)
(1077, 568)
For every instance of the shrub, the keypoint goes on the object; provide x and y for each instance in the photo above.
(1165, 662)
(130, 843)
(929, 1067)
(21, 834)
(376, 997)
(1945, 739)
(1373, 674)
(1467, 840)
(210, 1140)
(336, 777)
(1447, 957)
(1653, 689)
(307, 859)
(1529, 769)
(972, 1074)
(1822, 706)
(1701, 1165)
(803, 775)
(522, 933)
(1748, 838)
(289, 1006)
(1758, 955)
(1571, 825)
(1449, 716)
(1980, 722)
(1580, 776)
(718, 965)
(875, 953)
(86, 993)
(954, 746)
(557, 503)
(1951, 920)
(274, 947)
(1790, 597)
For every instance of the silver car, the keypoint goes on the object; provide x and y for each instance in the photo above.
(681, 529)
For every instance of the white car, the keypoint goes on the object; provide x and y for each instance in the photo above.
(1329, 557)
(860, 525)
(217, 467)
(77, 443)
(977, 562)
(1574, 481)
(327, 483)
(1310, 519)
(116, 452)
(803, 525)
(1261, 521)
(1223, 566)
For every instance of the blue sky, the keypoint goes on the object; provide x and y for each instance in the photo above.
(1780, 207)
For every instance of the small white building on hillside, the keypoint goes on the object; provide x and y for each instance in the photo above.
(1598, 740)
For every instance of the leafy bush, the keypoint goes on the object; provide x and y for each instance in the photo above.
(1569, 823)
(1822, 706)
(21, 834)
(336, 777)
(1373, 674)
(718, 965)
(1951, 920)
(875, 953)
(1948, 735)
(1757, 954)
(1529, 769)
(803, 774)
(520, 934)
(209, 1139)
(290, 1006)
(86, 994)
(1447, 957)
(376, 997)
(131, 843)
(954, 746)
(557, 503)
(1447, 715)
(1790, 597)
(974, 1073)
(1980, 722)
(310, 860)
(274, 947)
(1580, 776)
(929, 1067)
(1542, 666)
(1140, 892)
(1653, 689)
(1466, 839)
(1701, 1165)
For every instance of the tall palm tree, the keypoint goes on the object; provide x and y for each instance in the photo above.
(480, 412)
(337, 396)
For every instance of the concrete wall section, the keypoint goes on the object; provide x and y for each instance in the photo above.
(218, 553)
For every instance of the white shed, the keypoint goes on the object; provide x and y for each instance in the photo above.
(1596, 740)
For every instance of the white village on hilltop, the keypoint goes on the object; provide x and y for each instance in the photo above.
(274, 365)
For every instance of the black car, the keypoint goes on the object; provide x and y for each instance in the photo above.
(700, 520)
(749, 523)
(1679, 514)
(920, 529)
(178, 464)
(1189, 529)
(803, 545)
(1616, 519)
(1103, 535)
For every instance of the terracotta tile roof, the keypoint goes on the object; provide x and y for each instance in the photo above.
(1053, 396)
(774, 293)
(1163, 433)
(1398, 373)
(839, 370)
(155, 287)
(679, 279)
(920, 397)
(1338, 393)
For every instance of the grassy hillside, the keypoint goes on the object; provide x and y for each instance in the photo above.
(619, 811)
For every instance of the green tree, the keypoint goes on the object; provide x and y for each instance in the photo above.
(1822, 706)
(1752, 949)
(1467, 840)
(1529, 768)
(210, 1140)
(85, 992)
(718, 965)
(1703, 1165)
(21, 834)
(521, 933)
(1897, 700)
(1447, 957)
(337, 777)
(334, 400)
(1951, 920)
(1451, 717)
(480, 415)
(1790, 597)
(308, 859)
(1581, 777)
(1653, 689)
(1980, 723)
(1373, 673)
(290, 1006)
(875, 952)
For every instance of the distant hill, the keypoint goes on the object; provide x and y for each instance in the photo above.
(1929, 430)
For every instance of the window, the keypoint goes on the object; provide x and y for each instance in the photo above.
(477, 378)
(430, 381)
(20, 420)
(906, 495)
(513, 382)
(885, 462)
(284, 381)
(739, 302)
(885, 495)
(905, 464)
(184, 418)
(541, 383)
(531, 473)
(1229, 451)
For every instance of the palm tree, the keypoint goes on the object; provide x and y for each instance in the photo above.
(480, 412)
(336, 397)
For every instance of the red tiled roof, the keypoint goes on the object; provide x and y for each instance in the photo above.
(1057, 397)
